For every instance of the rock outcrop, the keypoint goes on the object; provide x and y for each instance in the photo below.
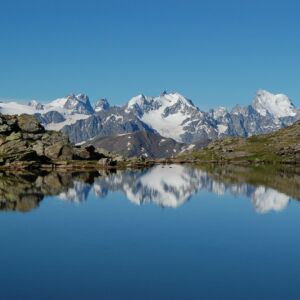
(23, 138)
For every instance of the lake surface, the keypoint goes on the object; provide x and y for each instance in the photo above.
(169, 232)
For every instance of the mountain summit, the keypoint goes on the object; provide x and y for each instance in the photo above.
(278, 105)
(166, 113)
(74, 104)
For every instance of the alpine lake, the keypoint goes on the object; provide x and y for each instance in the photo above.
(166, 232)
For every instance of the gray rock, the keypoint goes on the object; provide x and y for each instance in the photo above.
(6, 129)
(39, 148)
(105, 161)
(67, 152)
(14, 136)
(29, 123)
(30, 142)
(54, 151)
(52, 137)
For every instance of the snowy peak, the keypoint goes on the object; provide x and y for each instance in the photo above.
(276, 105)
(36, 105)
(79, 104)
(101, 104)
(174, 98)
(219, 112)
(165, 113)
(136, 102)
(73, 104)
(163, 100)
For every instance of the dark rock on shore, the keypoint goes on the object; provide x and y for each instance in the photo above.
(24, 139)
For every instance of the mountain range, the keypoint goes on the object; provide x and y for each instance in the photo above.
(158, 126)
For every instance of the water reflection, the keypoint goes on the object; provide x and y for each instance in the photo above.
(166, 186)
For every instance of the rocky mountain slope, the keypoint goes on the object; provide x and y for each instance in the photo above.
(282, 146)
(106, 122)
(140, 143)
(170, 115)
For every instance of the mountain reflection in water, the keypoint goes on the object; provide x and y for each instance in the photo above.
(166, 186)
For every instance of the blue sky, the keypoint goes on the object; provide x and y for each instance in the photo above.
(214, 52)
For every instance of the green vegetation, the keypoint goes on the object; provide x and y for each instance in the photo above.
(282, 146)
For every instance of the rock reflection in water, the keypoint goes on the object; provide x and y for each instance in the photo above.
(23, 191)
(166, 186)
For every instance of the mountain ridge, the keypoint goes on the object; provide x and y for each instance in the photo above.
(170, 115)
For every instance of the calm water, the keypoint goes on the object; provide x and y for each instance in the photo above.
(164, 233)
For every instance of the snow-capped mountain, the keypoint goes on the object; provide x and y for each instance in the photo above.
(278, 106)
(36, 105)
(72, 104)
(169, 115)
(101, 104)
(56, 114)
(172, 115)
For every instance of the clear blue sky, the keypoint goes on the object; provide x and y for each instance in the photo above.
(215, 52)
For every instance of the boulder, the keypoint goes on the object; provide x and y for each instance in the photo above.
(14, 136)
(105, 161)
(66, 152)
(12, 121)
(13, 147)
(52, 137)
(5, 129)
(59, 151)
(32, 136)
(26, 155)
(29, 123)
(87, 153)
(2, 139)
(54, 151)
(39, 148)
(82, 153)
